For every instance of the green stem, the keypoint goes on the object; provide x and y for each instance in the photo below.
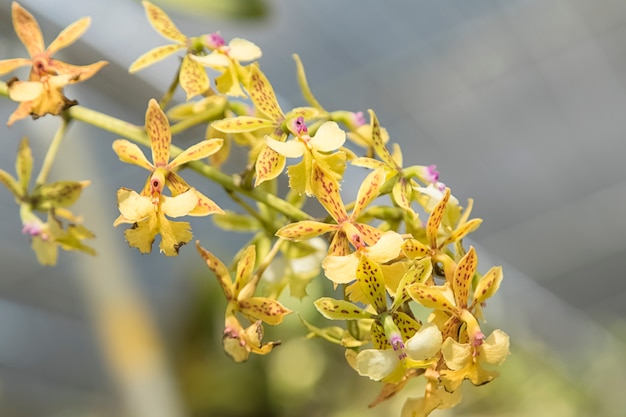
(170, 91)
(212, 113)
(52, 151)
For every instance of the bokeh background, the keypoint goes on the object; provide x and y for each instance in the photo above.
(520, 103)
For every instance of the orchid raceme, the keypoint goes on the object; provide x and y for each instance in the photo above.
(405, 295)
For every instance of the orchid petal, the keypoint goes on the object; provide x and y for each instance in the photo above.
(162, 23)
(153, 55)
(243, 50)
(290, 149)
(27, 29)
(269, 165)
(263, 96)
(131, 154)
(328, 137)
(158, 128)
(69, 35)
(8, 65)
(198, 151)
(193, 77)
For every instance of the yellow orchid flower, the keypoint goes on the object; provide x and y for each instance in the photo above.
(53, 198)
(148, 209)
(43, 92)
(319, 148)
(227, 59)
(162, 169)
(240, 296)
(192, 76)
(348, 231)
(147, 214)
(41, 97)
(41, 60)
(269, 163)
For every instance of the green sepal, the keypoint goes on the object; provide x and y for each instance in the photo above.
(58, 194)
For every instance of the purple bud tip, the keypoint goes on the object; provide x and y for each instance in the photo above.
(214, 41)
(32, 229)
(358, 119)
(432, 175)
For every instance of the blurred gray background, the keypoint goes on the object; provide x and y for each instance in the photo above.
(520, 103)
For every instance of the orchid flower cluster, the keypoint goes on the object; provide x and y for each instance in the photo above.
(411, 296)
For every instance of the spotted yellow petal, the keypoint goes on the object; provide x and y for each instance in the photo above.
(326, 190)
(401, 193)
(462, 231)
(414, 249)
(131, 154)
(434, 220)
(463, 275)
(379, 142)
(27, 29)
(158, 128)
(84, 72)
(242, 124)
(269, 165)
(263, 96)
(438, 297)
(8, 65)
(488, 285)
(69, 35)
(334, 309)
(153, 55)
(219, 269)
(368, 191)
(205, 206)
(198, 151)
(268, 310)
(245, 268)
(304, 230)
(370, 278)
(193, 77)
(162, 23)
